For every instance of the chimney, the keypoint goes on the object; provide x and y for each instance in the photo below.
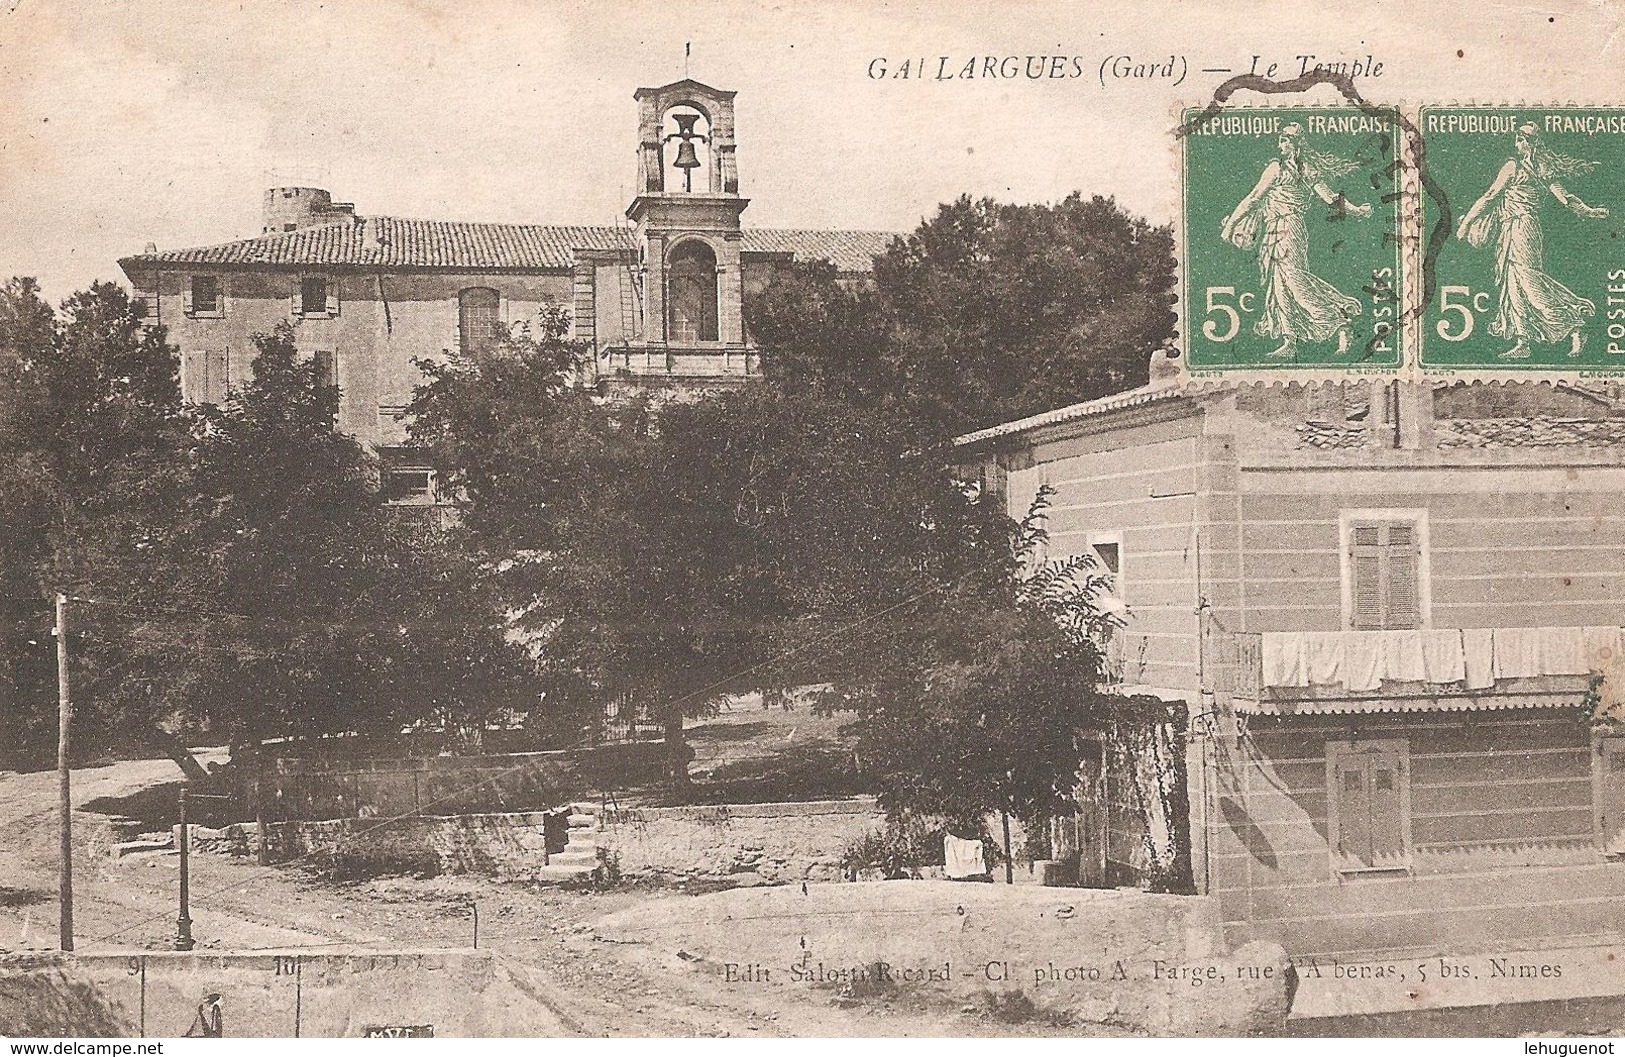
(292, 208)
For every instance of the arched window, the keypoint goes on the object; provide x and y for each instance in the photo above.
(479, 318)
(691, 293)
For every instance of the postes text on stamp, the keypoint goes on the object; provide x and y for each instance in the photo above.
(1523, 213)
(1291, 248)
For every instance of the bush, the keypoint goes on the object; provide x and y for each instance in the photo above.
(364, 863)
(905, 844)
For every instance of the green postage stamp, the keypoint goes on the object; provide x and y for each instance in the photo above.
(1292, 241)
(1522, 214)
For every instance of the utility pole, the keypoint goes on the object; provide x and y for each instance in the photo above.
(64, 711)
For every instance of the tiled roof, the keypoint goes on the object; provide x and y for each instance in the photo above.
(394, 242)
(1146, 394)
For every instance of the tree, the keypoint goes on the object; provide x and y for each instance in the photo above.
(986, 704)
(232, 568)
(669, 555)
(93, 433)
(307, 607)
(986, 313)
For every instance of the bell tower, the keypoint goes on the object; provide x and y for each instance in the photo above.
(685, 224)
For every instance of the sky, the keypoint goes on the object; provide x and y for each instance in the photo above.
(163, 121)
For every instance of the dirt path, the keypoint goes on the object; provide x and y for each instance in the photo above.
(130, 904)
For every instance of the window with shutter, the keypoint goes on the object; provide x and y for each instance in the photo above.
(479, 319)
(1385, 590)
(327, 367)
(206, 376)
(313, 295)
(202, 296)
(219, 376)
(1369, 799)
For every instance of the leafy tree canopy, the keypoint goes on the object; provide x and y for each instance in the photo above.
(987, 312)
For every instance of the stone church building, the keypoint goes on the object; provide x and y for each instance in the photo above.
(659, 299)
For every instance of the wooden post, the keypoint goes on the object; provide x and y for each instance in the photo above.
(64, 707)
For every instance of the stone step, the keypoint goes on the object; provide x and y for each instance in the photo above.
(125, 826)
(133, 847)
(140, 854)
(581, 807)
(588, 846)
(573, 858)
(583, 821)
(554, 874)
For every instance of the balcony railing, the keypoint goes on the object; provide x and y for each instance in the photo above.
(674, 360)
(1541, 665)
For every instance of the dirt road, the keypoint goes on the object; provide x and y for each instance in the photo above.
(130, 904)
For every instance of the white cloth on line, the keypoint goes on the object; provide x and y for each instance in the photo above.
(1518, 652)
(1324, 657)
(1402, 657)
(1362, 660)
(1562, 651)
(1443, 658)
(962, 858)
(1478, 658)
(1283, 660)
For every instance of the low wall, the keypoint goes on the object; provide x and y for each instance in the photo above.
(1144, 962)
(775, 842)
(509, 846)
(308, 788)
(339, 994)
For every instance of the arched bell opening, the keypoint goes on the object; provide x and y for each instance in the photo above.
(686, 147)
(691, 292)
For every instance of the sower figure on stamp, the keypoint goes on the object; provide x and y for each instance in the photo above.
(1299, 306)
(1533, 306)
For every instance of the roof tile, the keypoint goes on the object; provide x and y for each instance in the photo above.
(395, 242)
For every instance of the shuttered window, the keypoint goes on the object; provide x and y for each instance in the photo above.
(1370, 800)
(206, 376)
(479, 319)
(312, 295)
(1385, 591)
(201, 297)
(327, 367)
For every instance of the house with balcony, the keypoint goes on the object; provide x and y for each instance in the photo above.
(1392, 613)
(658, 298)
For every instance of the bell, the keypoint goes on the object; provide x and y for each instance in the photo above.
(687, 158)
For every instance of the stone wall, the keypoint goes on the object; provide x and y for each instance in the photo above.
(343, 993)
(775, 843)
(337, 787)
(508, 847)
(744, 843)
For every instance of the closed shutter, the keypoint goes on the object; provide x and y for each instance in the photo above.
(195, 376)
(1368, 791)
(1384, 566)
(1353, 811)
(295, 310)
(186, 296)
(1404, 593)
(327, 367)
(333, 296)
(220, 376)
(1365, 563)
(1387, 839)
